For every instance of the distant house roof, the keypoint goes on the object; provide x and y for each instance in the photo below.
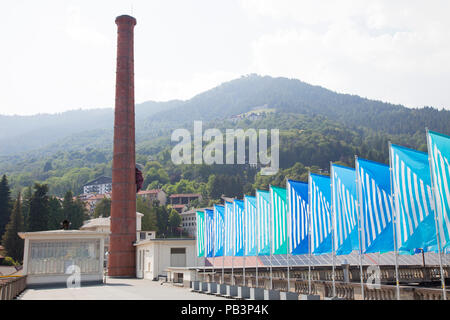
(185, 195)
(101, 222)
(99, 196)
(153, 191)
(99, 180)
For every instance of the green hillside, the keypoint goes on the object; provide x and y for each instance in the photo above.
(317, 126)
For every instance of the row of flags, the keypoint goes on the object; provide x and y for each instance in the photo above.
(352, 209)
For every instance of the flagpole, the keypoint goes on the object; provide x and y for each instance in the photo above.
(244, 216)
(271, 240)
(223, 246)
(436, 208)
(204, 245)
(257, 235)
(288, 236)
(309, 231)
(333, 216)
(394, 224)
(360, 225)
(233, 221)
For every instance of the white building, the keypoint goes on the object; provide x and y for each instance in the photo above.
(155, 256)
(103, 225)
(51, 257)
(100, 185)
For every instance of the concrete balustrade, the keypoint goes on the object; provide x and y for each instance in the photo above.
(10, 288)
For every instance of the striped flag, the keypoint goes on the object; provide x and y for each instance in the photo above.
(439, 151)
(228, 229)
(249, 225)
(209, 233)
(219, 212)
(345, 209)
(263, 221)
(200, 222)
(413, 199)
(239, 228)
(374, 188)
(279, 220)
(298, 213)
(319, 204)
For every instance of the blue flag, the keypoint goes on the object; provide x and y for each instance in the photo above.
(439, 151)
(321, 227)
(239, 228)
(209, 233)
(413, 199)
(374, 188)
(345, 209)
(219, 223)
(263, 221)
(250, 225)
(298, 213)
(229, 229)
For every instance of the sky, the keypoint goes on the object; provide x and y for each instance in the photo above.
(61, 55)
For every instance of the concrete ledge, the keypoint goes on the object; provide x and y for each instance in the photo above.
(288, 295)
(244, 292)
(63, 284)
(271, 295)
(309, 297)
(256, 294)
(232, 291)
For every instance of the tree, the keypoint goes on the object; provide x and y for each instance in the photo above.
(73, 211)
(26, 200)
(39, 209)
(149, 220)
(5, 204)
(162, 220)
(174, 221)
(55, 215)
(103, 208)
(11, 241)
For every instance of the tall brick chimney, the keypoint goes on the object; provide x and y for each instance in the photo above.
(122, 258)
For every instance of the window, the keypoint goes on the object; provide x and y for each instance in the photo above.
(54, 257)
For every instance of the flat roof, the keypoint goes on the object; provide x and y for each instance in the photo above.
(61, 234)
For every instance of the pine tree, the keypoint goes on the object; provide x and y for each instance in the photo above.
(39, 209)
(26, 200)
(5, 204)
(73, 211)
(11, 241)
(55, 216)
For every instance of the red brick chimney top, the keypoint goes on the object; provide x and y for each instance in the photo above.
(126, 19)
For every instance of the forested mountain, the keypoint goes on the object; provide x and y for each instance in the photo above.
(316, 125)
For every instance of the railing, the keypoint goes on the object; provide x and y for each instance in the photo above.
(11, 287)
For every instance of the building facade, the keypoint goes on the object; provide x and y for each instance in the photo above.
(101, 185)
(152, 195)
(155, 256)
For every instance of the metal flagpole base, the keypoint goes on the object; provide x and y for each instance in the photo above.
(232, 291)
(244, 292)
(203, 286)
(212, 288)
(256, 294)
(221, 289)
(271, 294)
(309, 297)
(288, 295)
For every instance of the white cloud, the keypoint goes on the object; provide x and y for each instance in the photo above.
(395, 51)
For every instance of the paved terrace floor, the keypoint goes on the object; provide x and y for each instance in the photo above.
(118, 289)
